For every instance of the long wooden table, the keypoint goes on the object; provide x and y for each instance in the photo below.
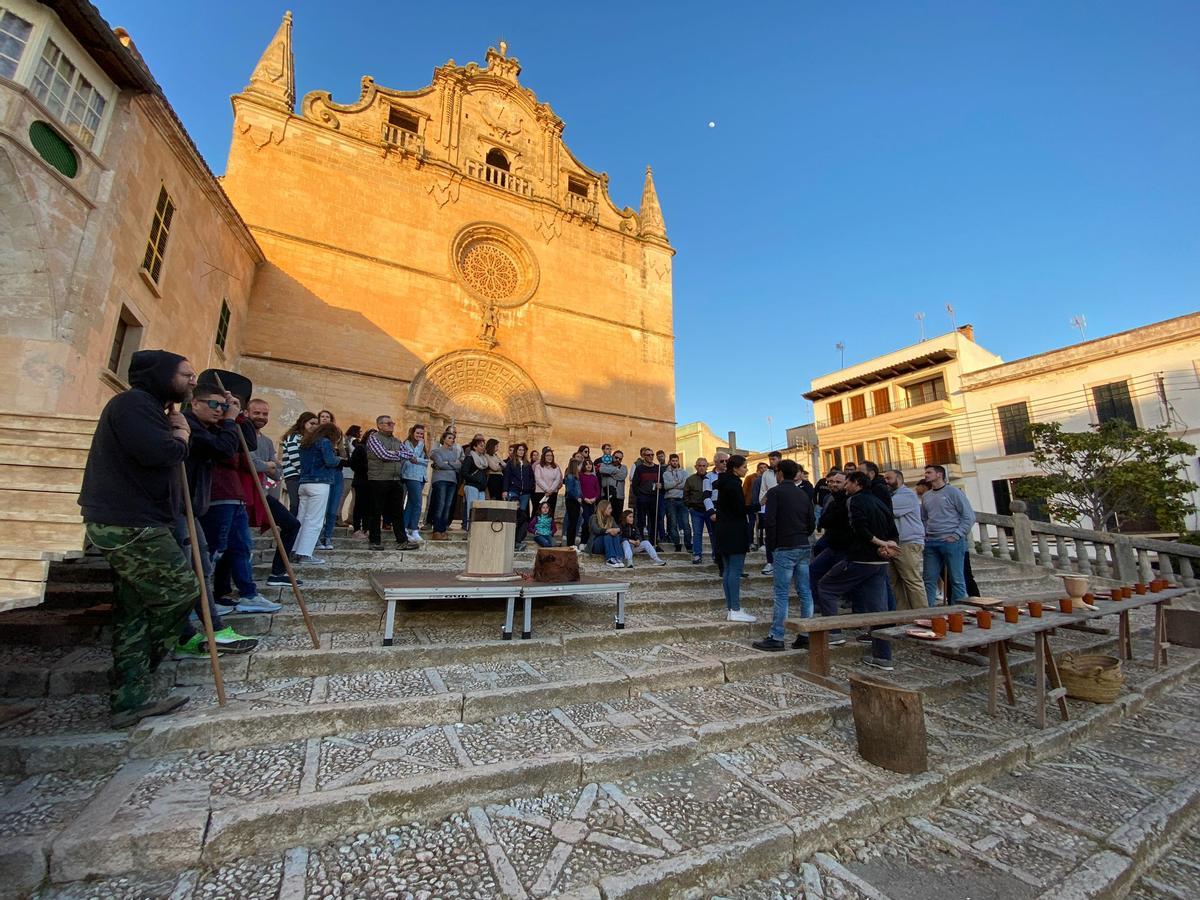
(997, 637)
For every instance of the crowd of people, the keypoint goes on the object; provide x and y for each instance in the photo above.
(879, 544)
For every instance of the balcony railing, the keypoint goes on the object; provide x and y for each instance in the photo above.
(402, 139)
(585, 206)
(893, 406)
(500, 178)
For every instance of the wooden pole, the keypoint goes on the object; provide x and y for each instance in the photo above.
(205, 614)
(287, 563)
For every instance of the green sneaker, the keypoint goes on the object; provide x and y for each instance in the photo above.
(193, 648)
(230, 641)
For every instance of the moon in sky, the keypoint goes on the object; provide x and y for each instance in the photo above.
(712, 124)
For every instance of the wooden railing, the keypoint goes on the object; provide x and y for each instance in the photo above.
(500, 178)
(402, 139)
(1081, 550)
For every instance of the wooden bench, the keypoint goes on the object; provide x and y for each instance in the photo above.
(818, 628)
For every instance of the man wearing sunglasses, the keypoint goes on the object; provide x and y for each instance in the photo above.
(212, 415)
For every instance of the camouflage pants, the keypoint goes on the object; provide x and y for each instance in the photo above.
(155, 588)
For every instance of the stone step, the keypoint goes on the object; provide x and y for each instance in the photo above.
(23, 454)
(36, 503)
(530, 806)
(61, 424)
(41, 478)
(45, 439)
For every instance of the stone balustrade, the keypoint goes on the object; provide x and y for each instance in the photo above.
(584, 206)
(402, 139)
(1080, 550)
(500, 178)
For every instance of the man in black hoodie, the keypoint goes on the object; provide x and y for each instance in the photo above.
(129, 500)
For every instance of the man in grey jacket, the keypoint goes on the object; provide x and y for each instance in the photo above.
(612, 480)
(904, 570)
(948, 519)
(678, 520)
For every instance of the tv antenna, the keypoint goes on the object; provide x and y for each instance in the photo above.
(841, 348)
(953, 320)
(1080, 322)
(920, 317)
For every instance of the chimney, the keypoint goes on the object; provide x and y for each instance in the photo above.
(732, 441)
(967, 331)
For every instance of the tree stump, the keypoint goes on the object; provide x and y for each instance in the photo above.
(890, 725)
(1183, 627)
(556, 565)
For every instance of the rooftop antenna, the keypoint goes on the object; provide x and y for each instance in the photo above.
(841, 348)
(770, 432)
(1080, 322)
(953, 320)
(920, 317)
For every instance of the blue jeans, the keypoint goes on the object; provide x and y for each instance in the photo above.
(331, 511)
(824, 561)
(543, 540)
(522, 515)
(679, 524)
(227, 530)
(412, 504)
(939, 554)
(731, 580)
(866, 583)
(608, 544)
(699, 523)
(441, 501)
(470, 495)
(791, 567)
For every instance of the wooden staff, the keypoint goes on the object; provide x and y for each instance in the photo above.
(287, 563)
(205, 614)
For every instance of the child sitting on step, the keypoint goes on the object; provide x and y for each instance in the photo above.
(542, 527)
(632, 542)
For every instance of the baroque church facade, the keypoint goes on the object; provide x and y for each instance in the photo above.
(437, 255)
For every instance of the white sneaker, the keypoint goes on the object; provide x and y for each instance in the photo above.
(768, 569)
(660, 562)
(615, 564)
(414, 536)
(257, 604)
(310, 560)
(738, 615)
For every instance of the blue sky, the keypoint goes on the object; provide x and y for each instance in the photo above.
(1023, 161)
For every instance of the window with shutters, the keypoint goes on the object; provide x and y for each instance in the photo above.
(222, 326)
(881, 400)
(1113, 402)
(54, 148)
(858, 407)
(1014, 428)
(126, 340)
(836, 415)
(925, 391)
(14, 35)
(160, 227)
(58, 84)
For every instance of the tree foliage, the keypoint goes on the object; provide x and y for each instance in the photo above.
(1110, 472)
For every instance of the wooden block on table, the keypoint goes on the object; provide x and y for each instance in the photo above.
(890, 725)
(556, 565)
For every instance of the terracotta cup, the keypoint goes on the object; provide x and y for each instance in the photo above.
(939, 625)
(956, 622)
(1035, 608)
(1065, 604)
(984, 619)
(1012, 614)
(1089, 598)
(1139, 588)
(1161, 585)
(1127, 592)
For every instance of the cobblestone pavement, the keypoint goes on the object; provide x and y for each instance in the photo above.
(664, 760)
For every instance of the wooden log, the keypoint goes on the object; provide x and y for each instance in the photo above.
(1183, 627)
(890, 725)
(556, 565)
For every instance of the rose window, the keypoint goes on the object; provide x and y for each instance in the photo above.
(490, 271)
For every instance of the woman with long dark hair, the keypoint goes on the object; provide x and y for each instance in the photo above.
(732, 538)
(495, 476)
(518, 485)
(289, 454)
(318, 467)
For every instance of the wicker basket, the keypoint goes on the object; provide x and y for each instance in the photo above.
(1091, 676)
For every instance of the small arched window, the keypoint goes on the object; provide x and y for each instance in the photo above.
(497, 160)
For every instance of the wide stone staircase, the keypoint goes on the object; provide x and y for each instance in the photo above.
(668, 759)
(41, 467)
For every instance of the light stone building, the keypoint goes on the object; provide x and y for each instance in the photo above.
(439, 254)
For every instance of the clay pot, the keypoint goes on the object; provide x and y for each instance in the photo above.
(939, 625)
(1035, 609)
(956, 622)
(1139, 588)
(984, 619)
(1066, 604)
(1012, 614)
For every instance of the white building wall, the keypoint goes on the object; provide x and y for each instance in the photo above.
(1159, 364)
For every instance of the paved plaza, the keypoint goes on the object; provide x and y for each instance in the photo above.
(669, 759)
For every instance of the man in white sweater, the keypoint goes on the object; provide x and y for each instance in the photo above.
(948, 518)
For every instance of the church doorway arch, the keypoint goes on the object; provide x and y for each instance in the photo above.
(479, 392)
